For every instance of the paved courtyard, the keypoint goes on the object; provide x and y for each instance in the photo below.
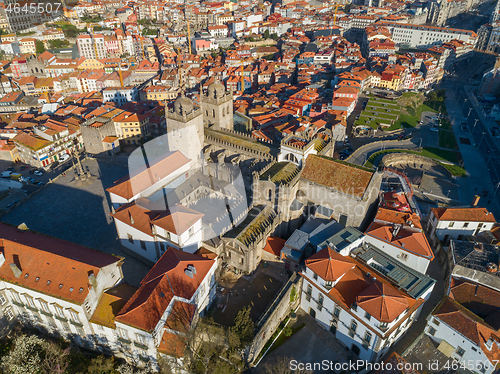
(79, 212)
(311, 344)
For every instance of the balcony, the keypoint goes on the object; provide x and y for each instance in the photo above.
(123, 340)
(141, 346)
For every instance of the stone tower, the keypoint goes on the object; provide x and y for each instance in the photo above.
(217, 106)
(185, 128)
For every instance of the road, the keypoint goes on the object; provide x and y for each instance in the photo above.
(362, 154)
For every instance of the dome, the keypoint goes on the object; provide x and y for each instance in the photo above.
(216, 90)
(183, 105)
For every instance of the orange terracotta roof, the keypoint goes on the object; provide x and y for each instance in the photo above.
(382, 301)
(274, 245)
(329, 265)
(409, 241)
(50, 265)
(463, 214)
(129, 187)
(166, 279)
(400, 218)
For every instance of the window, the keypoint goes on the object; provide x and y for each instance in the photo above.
(368, 316)
(16, 297)
(9, 314)
(460, 351)
(432, 331)
(59, 311)
(140, 339)
(451, 224)
(143, 245)
(336, 312)
(403, 256)
(123, 333)
(355, 307)
(191, 231)
(321, 299)
(328, 284)
(162, 247)
(367, 340)
(309, 292)
(3, 300)
(435, 321)
(466, 224)
(315, 276)
(130, 238)
(74, 316)
(352, 329)
(30, 301)
(383, 325)
(45, 306)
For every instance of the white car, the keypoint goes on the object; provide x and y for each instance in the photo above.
(38, 173)
(64, 157)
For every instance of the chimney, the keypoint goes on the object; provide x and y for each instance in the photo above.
(15, 269)
(395, 231)
(192, 269)
(131, 218)
(189, 273)
(475, 200)
(92, 279)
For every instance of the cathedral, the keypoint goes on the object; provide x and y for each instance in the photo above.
(237, 190)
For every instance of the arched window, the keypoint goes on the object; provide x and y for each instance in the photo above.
(223, 112)
(291, 157)
(269, 194)
(213, 113)
(206, 112)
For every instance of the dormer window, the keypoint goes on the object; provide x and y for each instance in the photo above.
(328, 284)
(315, 276)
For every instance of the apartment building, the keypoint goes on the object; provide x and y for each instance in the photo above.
(420, 36)
(361, 300)
(89, 45)
(53, 284)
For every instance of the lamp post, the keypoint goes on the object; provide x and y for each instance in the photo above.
(468, 115)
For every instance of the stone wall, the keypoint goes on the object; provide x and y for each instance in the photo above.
(275, 314)
(398, 160)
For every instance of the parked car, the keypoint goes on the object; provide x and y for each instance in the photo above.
(22, 168)
(64, 157)
(38, 173)
(6, 174)
(433, 129)
(343, 156)
(11, 169)
(40, 184)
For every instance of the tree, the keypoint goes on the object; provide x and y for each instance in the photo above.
(266, 34)
(243, 325)
(274, 36)
(32, 355)
(102, 365)
(40, 47)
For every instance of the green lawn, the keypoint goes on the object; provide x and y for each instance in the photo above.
(434, 153)
(406, 120)
(447, 139)
(437, 106)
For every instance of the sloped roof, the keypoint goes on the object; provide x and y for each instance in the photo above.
(410, 241)
(165, 280)
(463, 214)
(337, 175)
(144, 177)
(274, 245)
(110, 304)
(382, 301)
(329, 265)
(49, 265)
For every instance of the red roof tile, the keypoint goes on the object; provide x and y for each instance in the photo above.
(463, 214)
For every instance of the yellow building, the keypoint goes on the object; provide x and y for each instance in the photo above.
(159, 93)
(133, 127)
(90, 64)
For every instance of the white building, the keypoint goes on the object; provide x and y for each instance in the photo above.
(427, 36)
(179, 288)
(120, 95)
(457, 223)
(89, 45)
(468, 336)
(53, 284)
(406, 244)
(149, 230)
(366, 311)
